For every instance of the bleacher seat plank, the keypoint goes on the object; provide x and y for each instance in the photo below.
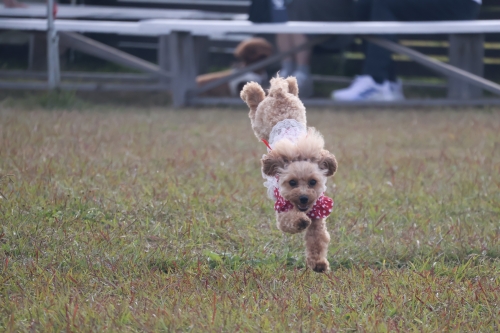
(157, 27)
(328, 28)
(117, 13)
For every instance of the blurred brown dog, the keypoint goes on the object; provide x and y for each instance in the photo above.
(247, 52)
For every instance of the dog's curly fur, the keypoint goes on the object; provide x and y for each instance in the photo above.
(253, 50)
(302, 162)
(282, 102)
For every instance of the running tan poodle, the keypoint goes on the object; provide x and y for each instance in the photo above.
(296, 166)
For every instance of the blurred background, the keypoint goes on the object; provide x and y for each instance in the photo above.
(332, 67)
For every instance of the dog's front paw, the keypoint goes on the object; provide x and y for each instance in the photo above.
(293, 222)
(320, 266)
(303, 223)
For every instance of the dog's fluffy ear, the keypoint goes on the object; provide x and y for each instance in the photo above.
(272, 163)
(328, 162)
(252, 94)
(293, 87)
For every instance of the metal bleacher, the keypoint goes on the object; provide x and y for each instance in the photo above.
(194, 28)
(436, 46)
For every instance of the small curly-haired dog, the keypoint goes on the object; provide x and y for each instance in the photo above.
(296, 166)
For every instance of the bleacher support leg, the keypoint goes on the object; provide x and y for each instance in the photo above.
(182, 67)
(31, 52)
(466, 52)
(201, 53)
(164, 57)
(53, 69)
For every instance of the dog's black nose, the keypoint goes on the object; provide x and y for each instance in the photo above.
(303, 199)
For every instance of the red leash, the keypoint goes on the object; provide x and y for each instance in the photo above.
(267, 144)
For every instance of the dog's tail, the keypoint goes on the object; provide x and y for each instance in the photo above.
(252, 94)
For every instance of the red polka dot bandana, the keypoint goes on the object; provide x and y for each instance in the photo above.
(321, 209)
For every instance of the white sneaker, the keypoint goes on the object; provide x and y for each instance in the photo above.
(397, 90)
(364, 88)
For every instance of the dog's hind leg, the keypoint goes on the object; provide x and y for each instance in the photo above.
(292, 221)
(317, 239)
(252, 94)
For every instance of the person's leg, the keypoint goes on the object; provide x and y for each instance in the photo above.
(13, 4)
(432, 10)
(378, 79)
(378, 68)
(378, 61)
(298, 68)
(285, 43)
(302, 70)
(300, 10)
(302, 57)
(362, 10)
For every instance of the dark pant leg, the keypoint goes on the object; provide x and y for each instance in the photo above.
(363, 10)
(378, 62)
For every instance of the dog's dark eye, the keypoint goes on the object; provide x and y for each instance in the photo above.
(312, 182)
(292, 183)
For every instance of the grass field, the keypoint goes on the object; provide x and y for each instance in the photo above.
(138, 220)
